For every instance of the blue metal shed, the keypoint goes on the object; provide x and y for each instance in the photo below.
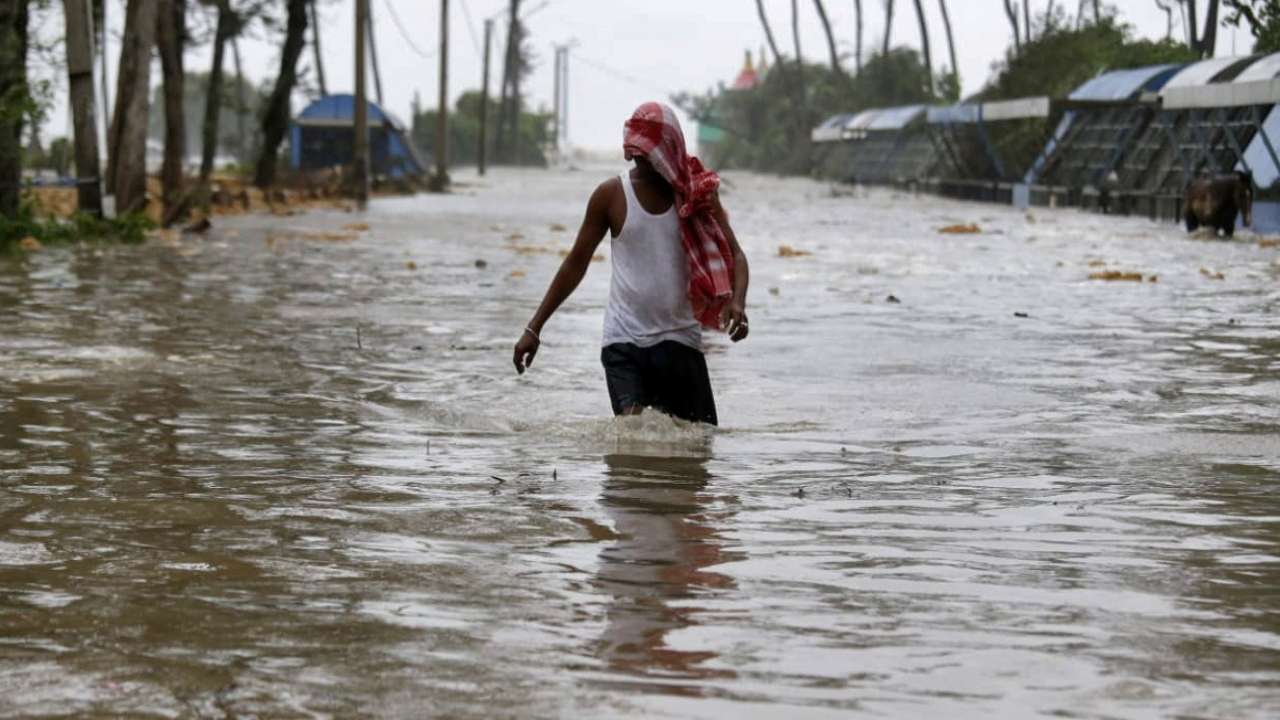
(322, 136)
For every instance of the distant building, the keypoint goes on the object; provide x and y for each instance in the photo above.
(322, 136)
(710, 133)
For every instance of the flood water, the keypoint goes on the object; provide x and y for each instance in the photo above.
(275, 473)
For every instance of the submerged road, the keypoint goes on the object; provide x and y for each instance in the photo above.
(287, 470)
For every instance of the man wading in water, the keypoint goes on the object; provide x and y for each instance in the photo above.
(676, 267)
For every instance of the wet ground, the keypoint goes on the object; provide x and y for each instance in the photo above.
(287, 470)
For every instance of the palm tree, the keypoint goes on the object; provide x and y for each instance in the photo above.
(924, 44)
(831, 39)
(1012, 13)
(768, 34)
(795, 32)
(888, 25)
(951, 43)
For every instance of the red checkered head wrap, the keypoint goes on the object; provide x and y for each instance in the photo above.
(654, 133)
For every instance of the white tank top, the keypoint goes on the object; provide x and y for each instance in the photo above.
(649, 292)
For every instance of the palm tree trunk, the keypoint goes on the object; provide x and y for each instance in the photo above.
(888, 25)
(14, 23)
(1026, 20)
(857, 11)
(170, 33)
(831, 40)
(1209, 38)
(228, 25)
(275, 118)
(1012, 13)
(127, 170)
(924, 45)
(951, 42)
(768, 34)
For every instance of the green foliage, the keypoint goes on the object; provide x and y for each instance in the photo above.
(464, 132)
(80, 227)
(1062, 58)
(1261, 17)
(767, 128)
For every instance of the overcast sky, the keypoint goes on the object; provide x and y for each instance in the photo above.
(627, 51)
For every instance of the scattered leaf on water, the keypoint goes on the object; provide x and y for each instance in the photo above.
(515, 236)
(1153, 278)
(356, 227)
(1212, 274)
(557, 227)
(1268, 242)
(30, 244)
(516, 274)
(1097, 263)
(775, 291)
(960, 229)
(411, 265)
(788, 251)
(1114, 275)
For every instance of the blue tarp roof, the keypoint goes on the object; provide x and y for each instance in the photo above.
(342, 107)
(1124, 84)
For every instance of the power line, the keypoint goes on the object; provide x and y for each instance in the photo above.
(471, 27)
(620, 75)
(404, 34)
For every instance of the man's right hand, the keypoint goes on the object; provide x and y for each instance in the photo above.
(526, 348)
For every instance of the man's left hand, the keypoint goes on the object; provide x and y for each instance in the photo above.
(733, 320)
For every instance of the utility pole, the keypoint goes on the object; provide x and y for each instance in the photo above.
(80, 76)
(441, 181)
(106, 98)
(484, 99)
(360, 145)
(373, 54)
(315, 47)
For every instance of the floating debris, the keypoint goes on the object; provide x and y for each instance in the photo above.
(557, 227)
(892, 299)
(30, 244)
(1097, 263)
(775, 291)
(1021, 315)
(199, 226)
(516, 274)
(1212, 274)
(481, 264)
(1153, 278)
(788, 251)
(513, 237)
(1268, 242)
(356, 227)
(1117, 275)
(960, 229)
(411, 265)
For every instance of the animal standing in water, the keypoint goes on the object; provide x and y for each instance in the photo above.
(1215, 201)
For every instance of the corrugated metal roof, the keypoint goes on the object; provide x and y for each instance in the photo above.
(1266, 67)
(862, 120)
(896, 118)
(1119, 84)
(1200, 73)
(968, 113)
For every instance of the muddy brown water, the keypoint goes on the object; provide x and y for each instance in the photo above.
(272, 473)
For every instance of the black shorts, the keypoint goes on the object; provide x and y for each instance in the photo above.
(669, 376)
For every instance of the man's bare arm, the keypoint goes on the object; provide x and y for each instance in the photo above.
(734, 316)
(594, 225)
